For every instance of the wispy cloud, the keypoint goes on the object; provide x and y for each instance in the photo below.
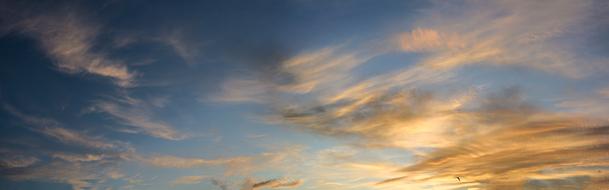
(489, 140)
(219, 184)
(78, 157)
(137, 114)
(523, 33)
(525, 148)
(79, 175)
(11, 159)
(183, 162)
(55, 130)
(321, 71)
(271, 184)
(194, 179)
(68, 38)
(185, 48)
(251, 184)
(239, 165)
(428, 40)
(82, 168)
(587, 103)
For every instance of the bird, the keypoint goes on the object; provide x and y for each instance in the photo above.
(458, 178)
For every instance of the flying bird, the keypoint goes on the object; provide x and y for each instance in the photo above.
(458, 178)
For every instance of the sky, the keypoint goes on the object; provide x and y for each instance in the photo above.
(303, 94)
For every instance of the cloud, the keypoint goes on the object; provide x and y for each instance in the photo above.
(85, 163)
(250, 184)
(182, 162)
(586, 103)
(78, 157)
(324, 75)
(79, 175)
(243, 90)
(319, 71)
(187, 49)
(517, 140)
(195, 179)
(10, 159)
(137, 114)
(283, 160)
(219, 184)
(490, 140)
(69, 40)
(55, 130)
(428, 40)
(524, 33)
(532, 148)
(604, 92)
(271, 184)
(239, 165)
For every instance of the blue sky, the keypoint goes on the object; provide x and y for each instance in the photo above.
(299, 94)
